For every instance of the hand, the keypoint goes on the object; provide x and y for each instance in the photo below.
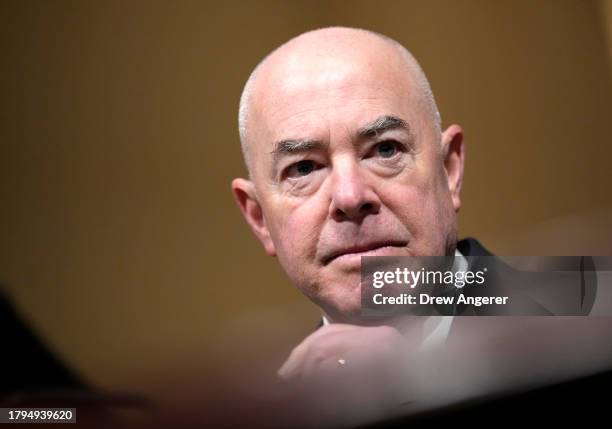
(341, 348)
(351, 374)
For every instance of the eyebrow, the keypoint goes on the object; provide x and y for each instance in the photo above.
(292, 146)
(382, 124)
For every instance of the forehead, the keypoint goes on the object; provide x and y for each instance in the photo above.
(316, 93)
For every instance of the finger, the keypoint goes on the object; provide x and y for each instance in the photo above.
(329, 343)
(295, 364)
(289, 369)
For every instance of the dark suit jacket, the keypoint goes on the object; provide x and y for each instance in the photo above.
(566, 289)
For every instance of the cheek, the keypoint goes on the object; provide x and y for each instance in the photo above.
(410, 204)
(296, 233)
(296, 237)
(423, 205)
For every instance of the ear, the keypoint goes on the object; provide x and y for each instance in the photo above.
(244, 193)
(454, 155)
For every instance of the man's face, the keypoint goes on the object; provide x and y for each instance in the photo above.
(346, 162)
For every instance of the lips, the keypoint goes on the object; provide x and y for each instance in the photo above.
(361, 248)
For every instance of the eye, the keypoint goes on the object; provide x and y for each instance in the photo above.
(301, 169)
(386, 149)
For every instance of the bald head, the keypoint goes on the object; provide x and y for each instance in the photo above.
(325, 55)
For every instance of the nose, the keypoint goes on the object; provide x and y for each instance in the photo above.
(353, 198)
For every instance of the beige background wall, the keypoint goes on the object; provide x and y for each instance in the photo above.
(120, 241)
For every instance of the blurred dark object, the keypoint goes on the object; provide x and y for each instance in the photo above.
(582, 401)
(34, 377)
(27, 363)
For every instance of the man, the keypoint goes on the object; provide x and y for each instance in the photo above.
(346, 157)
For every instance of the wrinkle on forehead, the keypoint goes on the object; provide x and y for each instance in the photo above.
(289, 112)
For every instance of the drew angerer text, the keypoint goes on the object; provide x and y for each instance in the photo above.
(426, 299)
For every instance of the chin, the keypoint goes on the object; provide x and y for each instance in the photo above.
(345, 308)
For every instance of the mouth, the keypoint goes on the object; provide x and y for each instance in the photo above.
(380, 248)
